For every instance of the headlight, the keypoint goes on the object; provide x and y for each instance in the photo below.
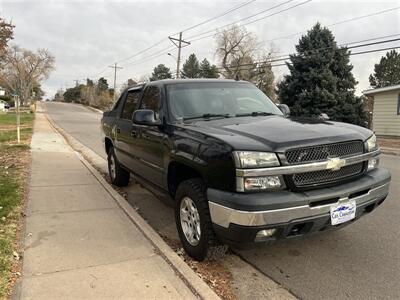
(372, 144)
(259, 183)
(252, 159)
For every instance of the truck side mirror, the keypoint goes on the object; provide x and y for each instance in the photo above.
(284, 109)
(145, 117)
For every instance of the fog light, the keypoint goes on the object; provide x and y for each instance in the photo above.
(263, 235)
(262, 183)
(373, 163)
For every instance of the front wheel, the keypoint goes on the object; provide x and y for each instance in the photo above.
(118, 175)
(193, 219)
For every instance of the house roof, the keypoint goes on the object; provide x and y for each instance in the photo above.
(383, 89)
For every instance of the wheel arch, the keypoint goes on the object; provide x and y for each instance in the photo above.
(179, 172)
(108, 143)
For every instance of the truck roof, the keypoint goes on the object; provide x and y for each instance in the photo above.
(188, 80)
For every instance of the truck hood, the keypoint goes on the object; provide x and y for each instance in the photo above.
(276, 133)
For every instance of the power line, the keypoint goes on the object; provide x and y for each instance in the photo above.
(345, 44)
(351, 54)
(154, 55)
(206, 21)
(101, 72)
(151, 56)
(248, 17)
(166, 50)
(144, 50)
(161, 52)
(287, 56)
(337, 23)
(218, 16)
(187, 29)
(375, 50)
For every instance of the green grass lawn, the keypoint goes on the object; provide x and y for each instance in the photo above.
(14, 169)
(11, 119)
(9, 203)
(11, 135)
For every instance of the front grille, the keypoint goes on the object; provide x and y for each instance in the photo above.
(326, 176)
(323, 152)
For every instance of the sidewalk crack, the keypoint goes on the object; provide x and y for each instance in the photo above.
(39, 274)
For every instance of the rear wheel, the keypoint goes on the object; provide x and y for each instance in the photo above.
(118, 175)
(193, 219)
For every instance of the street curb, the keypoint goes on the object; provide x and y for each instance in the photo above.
(188, 276)
(92, 108)
(86, 106)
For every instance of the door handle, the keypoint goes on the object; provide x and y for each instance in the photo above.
(134, 133)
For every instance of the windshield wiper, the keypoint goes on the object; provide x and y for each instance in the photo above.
(207, 116)
(255, 114)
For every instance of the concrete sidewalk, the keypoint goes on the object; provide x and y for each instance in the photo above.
(79, 243)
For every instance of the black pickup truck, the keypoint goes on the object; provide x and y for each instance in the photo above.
(241, 170)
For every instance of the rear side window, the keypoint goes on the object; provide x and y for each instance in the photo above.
(131, 104)
(151, 99)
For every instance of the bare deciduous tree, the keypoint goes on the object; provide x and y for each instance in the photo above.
(240, 53)
(263, 76)
(23, 69)
(235, 47)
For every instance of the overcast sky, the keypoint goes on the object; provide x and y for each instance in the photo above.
(87, 36)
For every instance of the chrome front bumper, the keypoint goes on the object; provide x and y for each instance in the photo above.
(224, 216)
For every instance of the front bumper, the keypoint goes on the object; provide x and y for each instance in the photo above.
(238, 217)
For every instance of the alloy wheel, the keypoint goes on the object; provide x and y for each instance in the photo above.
(190, 221)
(112, 167)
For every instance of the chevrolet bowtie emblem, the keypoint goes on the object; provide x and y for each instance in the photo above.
(335, 164)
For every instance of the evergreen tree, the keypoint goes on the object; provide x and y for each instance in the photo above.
(320, 80)
(74, 94)
(160, 72)
(89, 82)
(102, 85)
(191, 67)
(207, 70)
(387, 72)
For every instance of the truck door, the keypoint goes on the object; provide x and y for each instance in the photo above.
(123, 131)
(149, 148)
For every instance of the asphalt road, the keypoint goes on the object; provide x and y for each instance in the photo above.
(361, 261)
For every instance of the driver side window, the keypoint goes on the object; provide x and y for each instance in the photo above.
(151, 100)
(131, 104)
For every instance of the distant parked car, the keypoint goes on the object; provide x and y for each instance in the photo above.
(4, 106)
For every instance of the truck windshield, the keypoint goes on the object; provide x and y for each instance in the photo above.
(208, 99)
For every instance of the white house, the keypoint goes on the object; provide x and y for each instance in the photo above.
(386, 111)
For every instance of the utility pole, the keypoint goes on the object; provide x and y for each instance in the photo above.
(179, 46)
(115, 67)
(76, 82)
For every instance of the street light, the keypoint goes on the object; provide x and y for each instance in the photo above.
(169, 54)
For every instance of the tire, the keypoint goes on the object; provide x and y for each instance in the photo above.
(118, 175)
(196, 223)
